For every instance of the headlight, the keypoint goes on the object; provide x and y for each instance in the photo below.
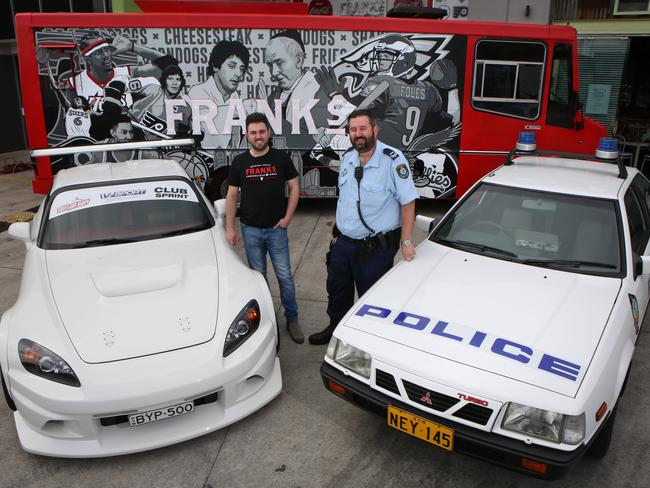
(42, 362)
(349, 356)
(551, 426)
(242, 327)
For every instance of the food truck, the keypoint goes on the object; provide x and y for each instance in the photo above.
(451, 95)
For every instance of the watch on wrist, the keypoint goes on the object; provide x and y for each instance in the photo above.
(406, 242)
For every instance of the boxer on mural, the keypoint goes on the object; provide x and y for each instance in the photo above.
(226, 69)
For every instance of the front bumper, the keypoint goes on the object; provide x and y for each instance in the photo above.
(95, 426)
(483, 445)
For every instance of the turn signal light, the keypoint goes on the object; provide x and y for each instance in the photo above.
(336, 388)
(535, 466)
(601, 412)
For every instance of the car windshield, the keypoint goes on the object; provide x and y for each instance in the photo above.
(121, 213)
(568, 232)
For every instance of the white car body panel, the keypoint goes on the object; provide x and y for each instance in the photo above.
(167, 318)
(551, 304)
(99, 291)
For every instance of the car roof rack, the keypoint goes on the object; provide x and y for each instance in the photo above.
(605, 153)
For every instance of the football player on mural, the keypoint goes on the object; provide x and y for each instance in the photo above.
(406, 109)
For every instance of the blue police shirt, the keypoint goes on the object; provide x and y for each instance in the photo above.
(386, 185)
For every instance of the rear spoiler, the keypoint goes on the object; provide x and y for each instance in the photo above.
(117, 146)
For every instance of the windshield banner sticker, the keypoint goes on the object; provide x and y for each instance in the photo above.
(79, 199)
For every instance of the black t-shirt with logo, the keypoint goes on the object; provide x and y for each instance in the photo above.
(262, 180)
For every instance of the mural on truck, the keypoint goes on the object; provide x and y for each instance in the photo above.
(115, 85)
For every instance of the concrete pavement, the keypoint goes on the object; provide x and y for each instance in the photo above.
(306, 437)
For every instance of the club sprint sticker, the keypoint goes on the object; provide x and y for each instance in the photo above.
(90, 197)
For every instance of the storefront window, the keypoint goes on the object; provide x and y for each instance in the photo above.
(631, 7)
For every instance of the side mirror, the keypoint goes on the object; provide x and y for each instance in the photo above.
(643, 265)
(220, 208)
(425, 223)
(21, 231)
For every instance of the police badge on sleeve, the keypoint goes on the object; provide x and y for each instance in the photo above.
(402, 171)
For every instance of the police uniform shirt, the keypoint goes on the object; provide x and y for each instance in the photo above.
(386, 185)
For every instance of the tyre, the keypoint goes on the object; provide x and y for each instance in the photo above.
(10, 402)
(600, 445)
(216, 187)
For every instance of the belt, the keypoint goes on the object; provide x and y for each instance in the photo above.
(391, 235)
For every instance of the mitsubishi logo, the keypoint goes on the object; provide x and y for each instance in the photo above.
(426, 398)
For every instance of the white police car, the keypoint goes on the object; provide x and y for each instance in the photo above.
(137, 325)
(511, 334)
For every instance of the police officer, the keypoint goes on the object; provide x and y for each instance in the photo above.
(374, 218)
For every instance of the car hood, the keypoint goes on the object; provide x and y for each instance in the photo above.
(128, 300)
(530, 324)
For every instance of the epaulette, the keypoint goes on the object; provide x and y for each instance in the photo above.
(390, 153)
(348, 149)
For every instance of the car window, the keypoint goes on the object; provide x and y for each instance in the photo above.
(560, 110)
(641, 187)
(118, 213)
(574, 233)
(636, 221)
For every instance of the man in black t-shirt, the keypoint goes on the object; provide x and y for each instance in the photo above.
(261, 174)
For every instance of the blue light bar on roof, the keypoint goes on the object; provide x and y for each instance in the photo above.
(607, 148)
(526, 142)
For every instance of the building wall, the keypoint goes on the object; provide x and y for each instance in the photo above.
(510, 11)
(13, 136)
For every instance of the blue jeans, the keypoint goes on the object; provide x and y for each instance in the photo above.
(257, 241)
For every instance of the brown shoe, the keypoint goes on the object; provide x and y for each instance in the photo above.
(295, 331)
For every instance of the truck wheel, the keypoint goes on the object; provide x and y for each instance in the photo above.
(600, 445)
(10, 402)
(216, 187)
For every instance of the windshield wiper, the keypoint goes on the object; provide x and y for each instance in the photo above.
(474, 245)
(569, 263)
(179, 232)
(103, 242)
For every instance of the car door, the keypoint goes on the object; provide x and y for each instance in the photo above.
(637, 208)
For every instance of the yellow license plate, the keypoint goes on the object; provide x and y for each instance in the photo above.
(424, 429)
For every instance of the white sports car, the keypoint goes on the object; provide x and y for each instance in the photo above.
(137, 325)
(511, 334)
